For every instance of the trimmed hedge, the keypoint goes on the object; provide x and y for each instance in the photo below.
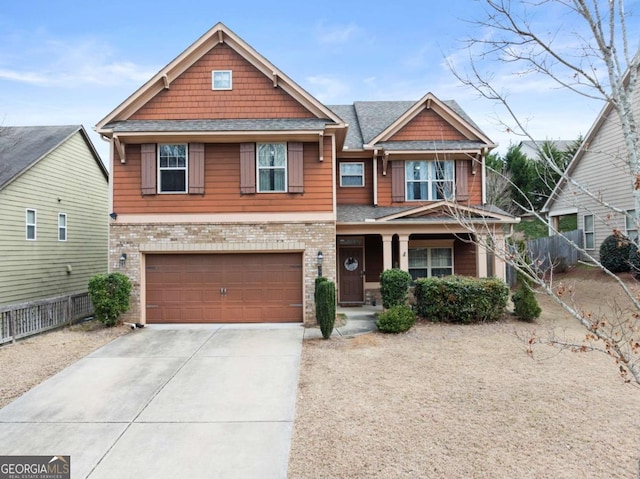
(109, 294)
(396, 319)
(614, 253)
(457, 299)
(525, 304)
(326, 306)
(394, 287)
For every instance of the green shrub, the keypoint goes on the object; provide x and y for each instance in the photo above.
(394, 287)
(109, 295)
(319, 279)
(525, 303)
(326, 307)
(614, 253)
(397, 319)
(458, 299)
(634, 261)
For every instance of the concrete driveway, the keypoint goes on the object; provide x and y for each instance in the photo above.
(212, 401)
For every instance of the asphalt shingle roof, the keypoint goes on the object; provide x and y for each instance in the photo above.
(432, 145)
(22, 146)
(365, 213)
(286, 124)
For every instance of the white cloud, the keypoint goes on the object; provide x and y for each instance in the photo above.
(329, 90)
(336, 34)
(68, 63)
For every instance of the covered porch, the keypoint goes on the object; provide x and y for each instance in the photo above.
(423, 245)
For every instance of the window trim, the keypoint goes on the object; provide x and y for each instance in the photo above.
(213, 80)
(62, 228)
(361, 163)
(591, 232)
(429, 181)
(285, 167)
(34, 224)
(159, 169)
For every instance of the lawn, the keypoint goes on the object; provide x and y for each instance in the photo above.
(449, 401)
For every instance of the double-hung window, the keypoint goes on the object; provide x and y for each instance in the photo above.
(425, 262)
(172, 168)
(630, 226)
(589, 232)
(31, 225)
(429, 180)
(62, 227)
(272, 167)
(351, 174)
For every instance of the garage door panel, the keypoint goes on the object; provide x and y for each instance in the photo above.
(259, 287)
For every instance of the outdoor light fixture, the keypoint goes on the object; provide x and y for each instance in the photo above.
(319, 260)
(123, 259)
(113, 215)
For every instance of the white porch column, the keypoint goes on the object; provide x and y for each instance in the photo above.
(404, 252)
(387, 257)
(481, 258)
(499, 266)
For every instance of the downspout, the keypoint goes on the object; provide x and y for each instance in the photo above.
(484, 177)
(375, 177)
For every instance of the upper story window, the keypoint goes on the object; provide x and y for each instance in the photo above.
(351, 174)
(172, 168)
(272, 167)
(589, 232)
(630, 225)
(31, 224)
(429, 180)
(62, 227)
(221, 80)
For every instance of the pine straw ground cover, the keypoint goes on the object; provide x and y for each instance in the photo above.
(454, 401)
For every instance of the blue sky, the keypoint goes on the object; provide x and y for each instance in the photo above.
(70, 62)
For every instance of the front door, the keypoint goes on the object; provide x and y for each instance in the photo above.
(351, 270)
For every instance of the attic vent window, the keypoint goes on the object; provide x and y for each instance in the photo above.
(221, 80)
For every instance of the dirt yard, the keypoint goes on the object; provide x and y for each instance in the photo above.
(445, 401)
(30, 361)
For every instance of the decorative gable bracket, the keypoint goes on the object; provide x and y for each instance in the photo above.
(120, 147)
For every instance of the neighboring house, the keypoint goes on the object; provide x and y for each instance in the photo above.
(231, 184)
(54, 222)
(530, 150)
(601, 166)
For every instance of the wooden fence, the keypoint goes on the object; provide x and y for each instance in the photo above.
(22, 320)
(549, 251)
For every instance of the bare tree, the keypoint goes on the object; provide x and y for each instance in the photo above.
(587, 53)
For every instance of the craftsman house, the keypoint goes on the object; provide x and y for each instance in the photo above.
(54, 223)
(233, 188)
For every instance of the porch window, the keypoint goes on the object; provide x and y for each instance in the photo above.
(589, 233)
(630, 226)
(172, 168)
(430, 262)
(272, 167)
(429, 180)
(351, 174)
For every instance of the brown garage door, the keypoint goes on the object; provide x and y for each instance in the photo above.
(227, 288)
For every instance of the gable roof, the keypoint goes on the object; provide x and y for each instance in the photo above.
(219, 33)
(21, 147)
(372, 123)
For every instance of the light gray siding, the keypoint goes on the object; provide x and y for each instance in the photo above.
(605, 172)
(67, 181)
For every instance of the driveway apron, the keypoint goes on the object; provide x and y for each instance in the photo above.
(167, 401)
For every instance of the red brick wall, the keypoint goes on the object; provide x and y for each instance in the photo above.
(190, 95)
